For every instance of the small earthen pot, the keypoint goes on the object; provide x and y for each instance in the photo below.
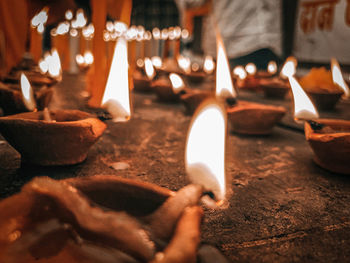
(64, 141)
(274, 88)
(194, 97)
(141, 82)
(331, 144)
(164, 90)
(325, 100)
(11, 100)
(253, 118)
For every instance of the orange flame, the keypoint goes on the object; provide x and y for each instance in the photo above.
(116, 95)
(240, 72)
(43, 66)
(289, 67)
(208, 65)
(184, 63)
(303, 107)
(54, 63)
(69, 14)
(40, 19)
(272, 67)
(150, 72)
(27, 93)
(176, 82)
(157, 62)
(224, 85)
(205, 149)
(250, 68)
(338, 77)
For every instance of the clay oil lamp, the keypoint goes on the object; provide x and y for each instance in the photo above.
(192, 98)
(116, 97)
(23, 97)
(329, 139)
(245, 117)
(61, 137)
(321, 89)
(143, 77)
(169, 88)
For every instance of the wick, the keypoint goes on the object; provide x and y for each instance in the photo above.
(316, 126)
(46, 114)
(231, 101)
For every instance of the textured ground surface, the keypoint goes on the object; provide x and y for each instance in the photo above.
(282, 207)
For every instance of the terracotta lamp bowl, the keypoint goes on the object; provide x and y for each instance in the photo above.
(141, 82)
(65, 141)
(194, 97)
(253, 118)
(331, 144)
(324, 100)
(50, 215)
(274, 88)
(11, 100)
(164, 90)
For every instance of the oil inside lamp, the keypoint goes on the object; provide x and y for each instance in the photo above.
(240, 72)
(157, 62)
(208, 65)
(224, 85)
(303, 107)
(149, 69)
(27, 93)
(184, 63)
(338, 77)
(176, 82)
(250, 68)
(289, 67)
(116, 95)
(272, 67)
(205, 149)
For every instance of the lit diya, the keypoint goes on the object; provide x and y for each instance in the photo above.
(329, 139)
(15, 98)
(144, 75)
(109, 219)
(59, 137)
(169, 88)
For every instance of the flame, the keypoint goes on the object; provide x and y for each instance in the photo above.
(164, 34)
(40, 18)
(289, 67)
(116, 95)
(185, 34)
(156, 33)
(205, 149)
(62, 28)
(240, 72)
(208, 65)
(338, 77)
(43, 66)
(120, 27)
(176, 82)
(177, 32)
(110, 26)
(303, 107)
(250, 68)
(224, 85)
(54, 62)
(150, 72)
(140, 63)
(157, 62)
(69, 14)
(27, 93)
(88, 57)
(184, 63)
(272, 67)
(80, 59)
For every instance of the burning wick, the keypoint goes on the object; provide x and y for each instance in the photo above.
(27, 93)
(205, 149)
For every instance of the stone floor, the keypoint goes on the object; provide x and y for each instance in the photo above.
(282, 207)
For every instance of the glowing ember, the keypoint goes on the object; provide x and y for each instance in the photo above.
(176, 82)
(149, 69)
(157, 62)
(338, 77)
(116, 96)
(208, 65)
(224, 85)
(272, 67)
(54, 62)
(240, 72)
(184, 63)
(205, 149)
(303, 107)
(27, 93)
(250, 68)
(68, 15)
(289, 67)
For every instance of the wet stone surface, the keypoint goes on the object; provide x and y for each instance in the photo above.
(281, 206)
